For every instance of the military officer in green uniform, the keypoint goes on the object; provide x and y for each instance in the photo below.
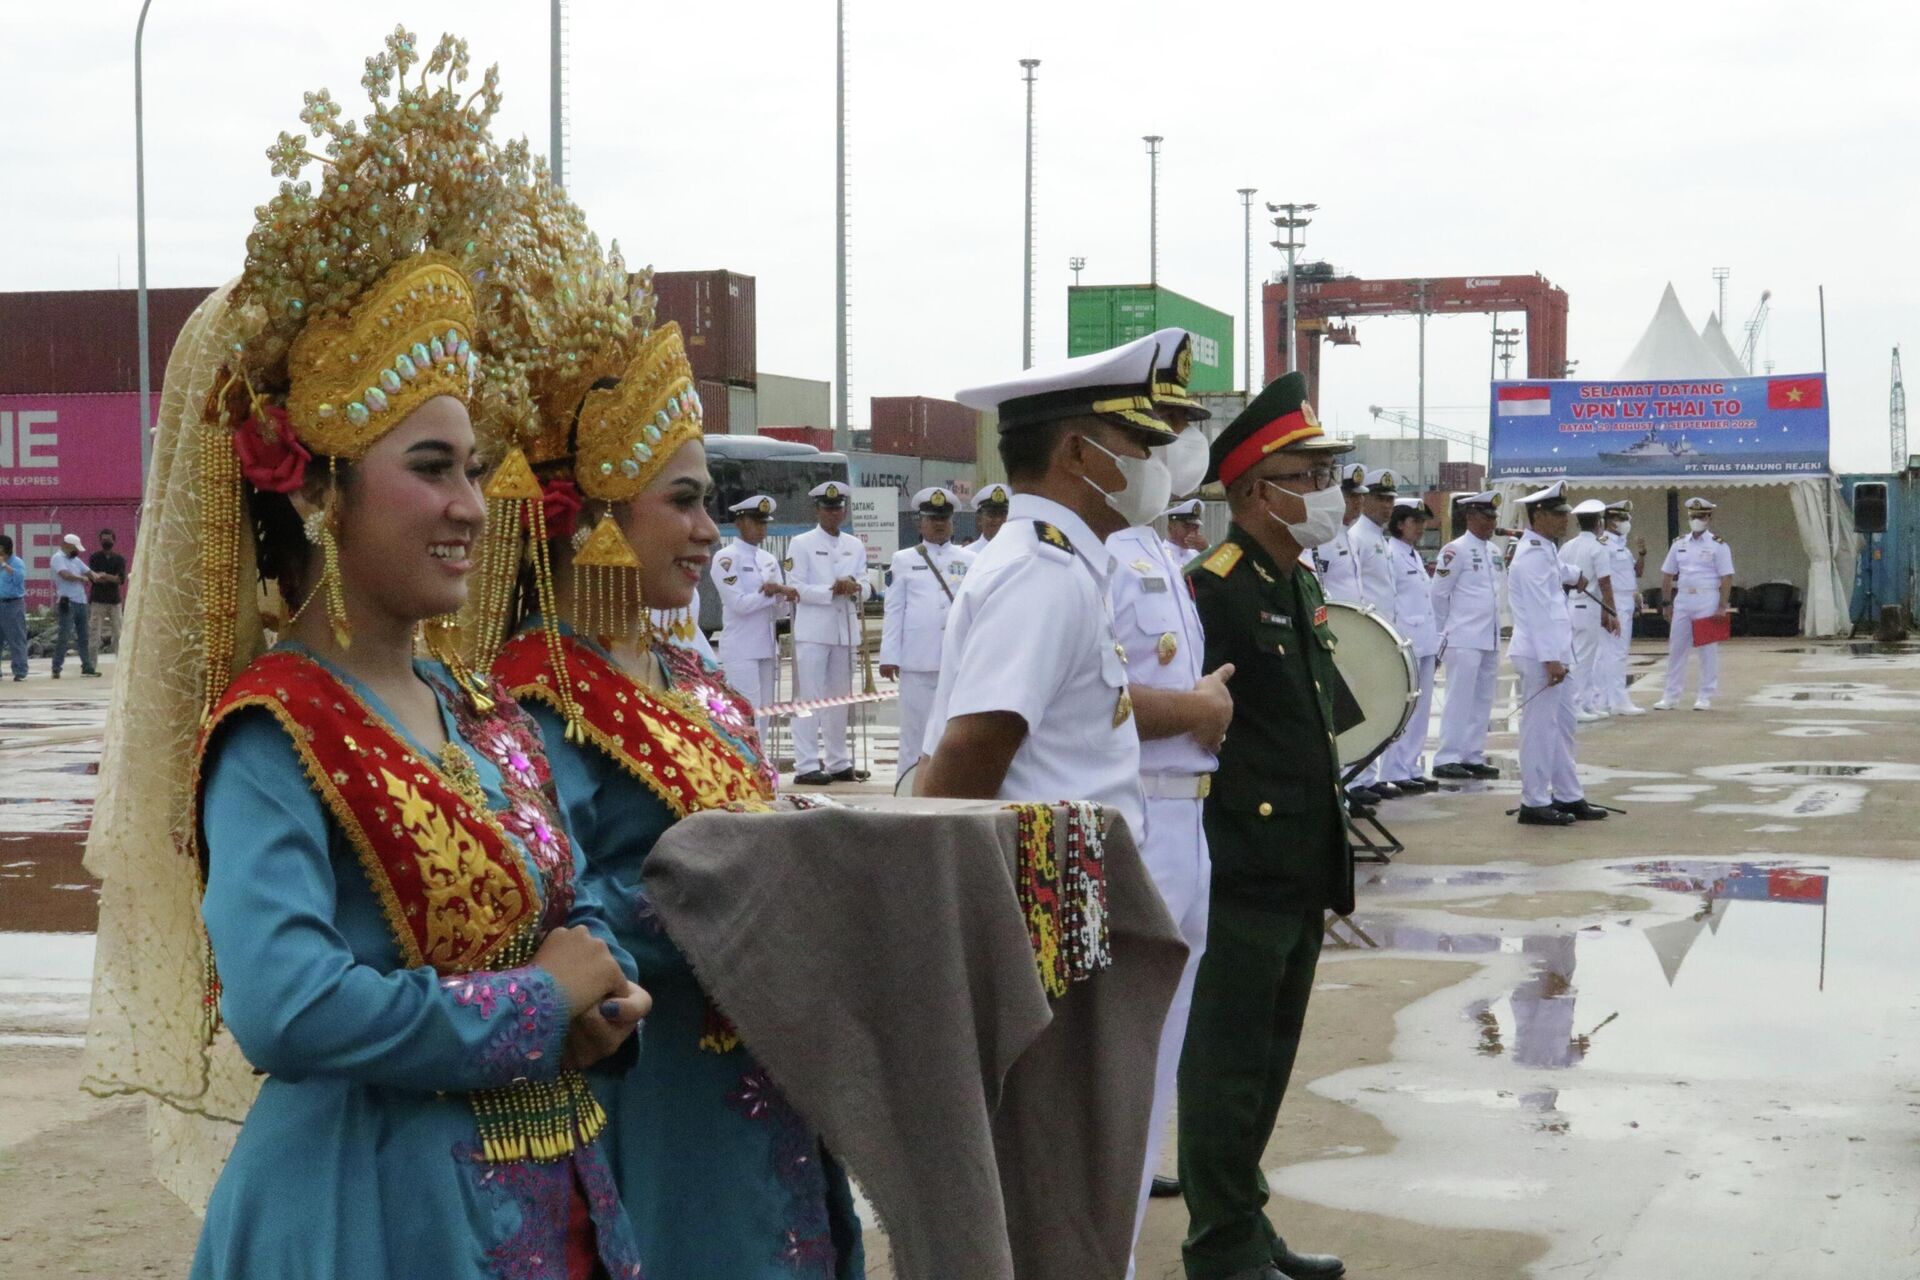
(1274, 823)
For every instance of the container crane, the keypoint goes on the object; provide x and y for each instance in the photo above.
(1407, 422)
(1897, 416)
(1755, 323)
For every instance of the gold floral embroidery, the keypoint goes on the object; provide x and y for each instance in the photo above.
(466, 892)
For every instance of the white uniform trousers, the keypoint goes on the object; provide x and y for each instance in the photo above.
(822, 671)
(1617, 696)
(1473, 676)
(1589, 638)
(1691, 603)
(753, 679)
(916, 700)
(1546, 738)
(1402, 759)
(1175, 851)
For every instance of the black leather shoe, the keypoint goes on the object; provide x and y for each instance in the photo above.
(1306, 1266)
(851, 774)
(1384, 789)
(812, 778)
(1456, 772)
(1164, 1187)
(1581, 810)
(1544, 816)
(1415, 786)
(1363, 795)
(1484, 771)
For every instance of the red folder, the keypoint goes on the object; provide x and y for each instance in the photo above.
(1712, 630)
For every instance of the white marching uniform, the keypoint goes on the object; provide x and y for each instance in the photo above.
(1031, 632)
(1469, 586)
(1373, 564)
(921, 585)
(1179, 555)
(1626, 603)
(1697, 561)
(826, 628)
(1339, 570)
(1155, 621)
(1589, 557)
(1543, 633)
(1413, 614)
(749, 651)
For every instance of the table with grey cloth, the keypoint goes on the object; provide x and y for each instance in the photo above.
(877, 963)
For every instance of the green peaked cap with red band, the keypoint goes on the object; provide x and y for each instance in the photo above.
(1278, 418)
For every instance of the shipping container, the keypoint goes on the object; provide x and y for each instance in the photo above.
(793, 402)
(819, 437)
(715, 408)
(1100, 317)
(923, 427)
(37, 529)
(87, 340)
(71, 448)
(715, 311)
(743, 411)
(1470, 477)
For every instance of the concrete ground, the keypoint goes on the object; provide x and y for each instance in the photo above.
(1674, 1043)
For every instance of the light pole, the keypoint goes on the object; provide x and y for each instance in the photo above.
(842, 429)
(556, 109)
(140, 236)
(1076, 265)
(1026, 294)
(1153, 141)
(1421, 436)
(1507, 339)
(1291, 226)
(1246, 286)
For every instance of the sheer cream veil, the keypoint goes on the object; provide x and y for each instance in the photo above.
(146, 1033)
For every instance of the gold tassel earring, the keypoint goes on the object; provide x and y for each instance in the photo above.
(607, 599)
(318, 526)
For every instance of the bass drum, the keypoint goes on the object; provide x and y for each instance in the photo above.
(904, 784)
(1377, 664)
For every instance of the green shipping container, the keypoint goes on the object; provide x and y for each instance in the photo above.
(1102, 316)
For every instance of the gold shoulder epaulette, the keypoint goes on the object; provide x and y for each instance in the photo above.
(1224, 557)
(1051, 535)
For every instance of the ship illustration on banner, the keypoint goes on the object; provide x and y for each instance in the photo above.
(1679, 427)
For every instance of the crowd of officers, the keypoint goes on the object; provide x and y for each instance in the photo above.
(1073, 652)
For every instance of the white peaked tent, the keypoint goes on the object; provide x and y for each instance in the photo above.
(1671, 348)
(1716, 339)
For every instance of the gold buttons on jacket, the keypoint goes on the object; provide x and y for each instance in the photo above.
(1266, 810)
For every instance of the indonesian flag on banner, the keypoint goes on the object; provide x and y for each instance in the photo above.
(1512, 402)
(1794, 393)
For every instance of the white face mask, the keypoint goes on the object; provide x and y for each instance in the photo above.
(1624, 528)
(1697, 525)
(1149, 486)
(1185, 459)
(1325, 507)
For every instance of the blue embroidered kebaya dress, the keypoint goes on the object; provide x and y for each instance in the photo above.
(722, 1179)
(362, 1158)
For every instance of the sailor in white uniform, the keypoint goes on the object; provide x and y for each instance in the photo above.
(1373, 562)
(921, 583)
(1697, 582)
(1186, 536)
(1541, 652)
(1333, 560)
(754, 596)
(1413, 613)
(1469, 587)
(1629, 559)
(989, 513)
(1590, 608)
(829, 569)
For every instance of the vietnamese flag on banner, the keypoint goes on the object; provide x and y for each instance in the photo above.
(1794, 393)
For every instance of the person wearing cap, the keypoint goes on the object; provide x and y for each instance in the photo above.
(990, 510)
(1374, 566)
(829, 570)
(1469, 584)
(13, 607)
(1590, 607)
(1186, 535)
(1696, 581)
(1032, 702)
(754, 596)
(1275, 826)
(1541, 652)
(921, 582)
(1334, 560)
(1628, 560)
(1413, 612)
(71, 578)
(1182, 713)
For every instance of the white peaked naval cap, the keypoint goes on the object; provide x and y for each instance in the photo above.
(1700, 504)
(1553, 493)
(1117, 383)
(758, 505)
(1590, 507)
(935, 501)
(993, 493)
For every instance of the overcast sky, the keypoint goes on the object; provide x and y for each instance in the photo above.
(1611, 149)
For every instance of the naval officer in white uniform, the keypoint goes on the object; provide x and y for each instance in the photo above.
(1469, 588)
(989, 513)
(829, 568)
(1333, 561)
(1590, 608)
(1541, 652)
(754, 596)
(1186, 535)
(921, 582)
(1628, 560)
(1373, 563)
(1697, 582)
(1413, 618)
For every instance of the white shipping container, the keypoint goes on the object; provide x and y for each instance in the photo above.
(794, 402)
(743, 412)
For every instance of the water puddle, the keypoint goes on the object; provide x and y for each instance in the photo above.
(1855, 697)
(1776, 770)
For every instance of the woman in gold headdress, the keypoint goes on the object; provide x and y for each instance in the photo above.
(720, 1176)
(399, 940)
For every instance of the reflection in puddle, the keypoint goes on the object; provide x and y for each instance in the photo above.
(1868, 770)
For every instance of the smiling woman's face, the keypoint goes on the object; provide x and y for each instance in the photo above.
(670, 530)
(411, 515)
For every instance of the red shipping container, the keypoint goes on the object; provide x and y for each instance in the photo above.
(715, 312)
(714, 415)
(923, 427)
(820, 438)
(1463, 477)
(71, 448)
(87, 340)
(37, 530)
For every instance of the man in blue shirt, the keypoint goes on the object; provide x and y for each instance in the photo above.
(71, 579)
(13, 607)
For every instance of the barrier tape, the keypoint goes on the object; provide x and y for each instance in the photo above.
(785, 710)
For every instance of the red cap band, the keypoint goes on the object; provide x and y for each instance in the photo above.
(1277, 434)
